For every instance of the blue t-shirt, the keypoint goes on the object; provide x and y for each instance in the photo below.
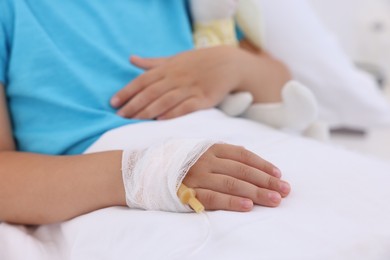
(62, 61)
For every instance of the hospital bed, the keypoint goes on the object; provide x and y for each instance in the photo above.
(339, 206)
(338, 209)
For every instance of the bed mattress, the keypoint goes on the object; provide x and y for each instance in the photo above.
(338, 209)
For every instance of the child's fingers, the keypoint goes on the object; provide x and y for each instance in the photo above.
(212, 200)
(235, 187)
(143, 99)
(188, 106)
(164, 103)
(240, 154)
(251, 175)
(147, 63)
(135, 86)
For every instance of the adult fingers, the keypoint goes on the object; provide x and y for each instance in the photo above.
(212, 200)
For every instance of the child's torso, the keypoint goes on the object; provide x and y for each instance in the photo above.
(65, 60)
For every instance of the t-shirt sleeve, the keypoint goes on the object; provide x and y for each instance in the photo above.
(3, 53)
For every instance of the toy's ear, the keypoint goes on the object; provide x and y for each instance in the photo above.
(250, 22)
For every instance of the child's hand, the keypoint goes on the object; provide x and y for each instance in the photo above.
(229, 177)
(176, 86)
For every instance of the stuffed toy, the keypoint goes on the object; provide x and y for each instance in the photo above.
(214, 24)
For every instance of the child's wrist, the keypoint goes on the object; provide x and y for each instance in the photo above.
(151, 177)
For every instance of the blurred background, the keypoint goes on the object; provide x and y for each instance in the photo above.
(363, 30)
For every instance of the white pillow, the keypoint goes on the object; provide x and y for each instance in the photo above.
(348, 97)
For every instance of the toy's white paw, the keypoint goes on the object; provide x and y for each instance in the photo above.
(236, 104)
(297, 110)
(301, 105)
(318, 130)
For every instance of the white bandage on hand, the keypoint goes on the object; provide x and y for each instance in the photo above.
(152, 176)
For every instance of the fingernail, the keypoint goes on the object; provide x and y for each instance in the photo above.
(277, 173)
(247, 204)
(274, 197)
(285, 187)
(115, 101)
(121, 113)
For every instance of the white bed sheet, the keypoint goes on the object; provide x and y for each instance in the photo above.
(339, 207)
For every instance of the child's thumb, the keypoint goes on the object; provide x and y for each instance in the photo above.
(147, 63)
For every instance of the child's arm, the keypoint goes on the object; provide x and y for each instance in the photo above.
(200, 79)
(41, 189)
(36, 189)
(265, 76)
(6, 140)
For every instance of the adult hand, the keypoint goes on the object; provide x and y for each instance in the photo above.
(229, 177)
(175, 86)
